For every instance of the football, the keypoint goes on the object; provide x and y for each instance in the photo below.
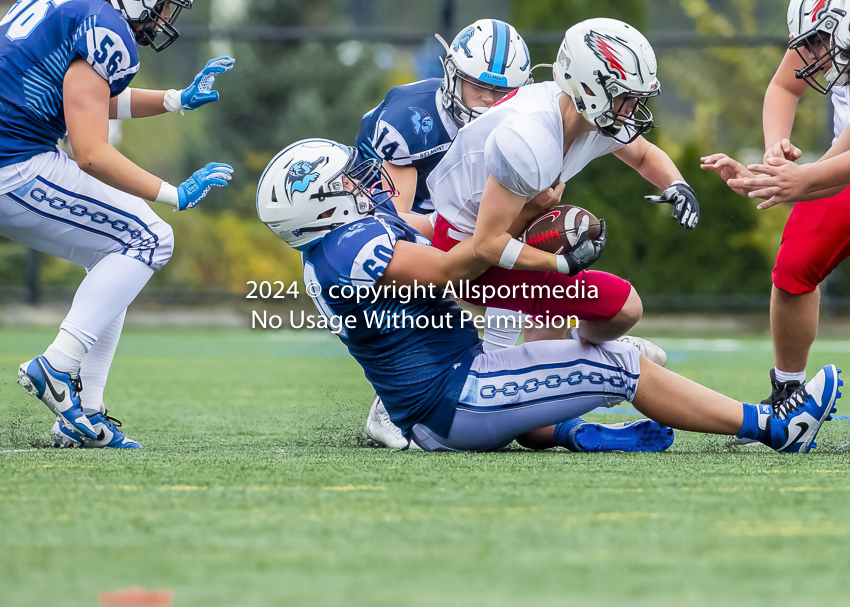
(555, 231)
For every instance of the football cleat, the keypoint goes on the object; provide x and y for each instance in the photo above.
(112, 438)
(59, 391)
(791, 425)
(643, 435)
(381, 428)
(781, 389)
(648, 349)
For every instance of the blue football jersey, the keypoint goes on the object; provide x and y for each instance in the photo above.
(38, 41)
(409, 128)
(418, 372)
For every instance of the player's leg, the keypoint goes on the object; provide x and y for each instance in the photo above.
(815, 240)
(514, 390)
(67, 213)
(93, 373)
(583, 436)
(95, 368)
(789, 425)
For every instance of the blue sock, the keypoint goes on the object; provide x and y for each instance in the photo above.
(562, 433)
(750, 428)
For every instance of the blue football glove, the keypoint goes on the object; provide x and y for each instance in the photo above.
(200, 91)
(194, 190)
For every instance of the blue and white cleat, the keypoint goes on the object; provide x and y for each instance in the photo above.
(113, 438)
(59, 391)
(791, 425)
(643, 435)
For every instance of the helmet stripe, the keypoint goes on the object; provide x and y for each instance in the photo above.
(500, 48)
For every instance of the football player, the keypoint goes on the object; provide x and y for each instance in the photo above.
(817, 235)
(430, 370)
(66, 65)
(543, 134)
(410, 131)
(415, 124)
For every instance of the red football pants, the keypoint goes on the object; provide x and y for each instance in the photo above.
(612, 290)
(816, 239)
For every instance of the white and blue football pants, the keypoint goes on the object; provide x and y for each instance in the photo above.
(49, 204)
(511, 391)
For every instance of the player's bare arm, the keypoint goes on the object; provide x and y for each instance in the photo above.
(498, 210)
(404, 179)
(780, 105)
(143, 103)
(426, 265)
(658, 168)
(87, 107)
(86, 112)
(651, 162)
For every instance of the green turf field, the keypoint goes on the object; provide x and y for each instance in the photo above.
(256, 487)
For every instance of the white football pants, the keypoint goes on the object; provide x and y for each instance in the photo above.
(514, 390)
(49, 204)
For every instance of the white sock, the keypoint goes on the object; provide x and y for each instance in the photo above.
(65, 353)
(502, 328)
(786, 377)
(104, 294)
(96, 366)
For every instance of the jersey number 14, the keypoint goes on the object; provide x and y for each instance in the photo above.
(389, 149)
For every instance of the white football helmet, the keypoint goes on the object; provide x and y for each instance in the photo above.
(600, 60)
(489, 54)
(813, 27)
(302, 194)
(155, 16)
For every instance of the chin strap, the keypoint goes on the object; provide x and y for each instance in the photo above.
(579, 102)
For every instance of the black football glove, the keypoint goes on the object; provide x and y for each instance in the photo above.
(684, 201)
(585, 252)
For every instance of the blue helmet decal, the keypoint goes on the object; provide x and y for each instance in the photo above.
(500, 51)
(495, 79)
(462, 41)
(301, 174)
(422, 122)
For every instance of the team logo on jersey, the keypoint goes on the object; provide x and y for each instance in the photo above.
(422, 122)
(351, 231)
(462, 41)
(301, 174)
(615, 54)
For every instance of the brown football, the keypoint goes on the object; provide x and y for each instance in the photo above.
(555, 230)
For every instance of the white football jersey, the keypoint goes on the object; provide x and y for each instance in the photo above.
(841, 110)
(521, 143)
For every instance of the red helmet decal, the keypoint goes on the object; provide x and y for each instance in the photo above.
(819, 7)
(615, 54)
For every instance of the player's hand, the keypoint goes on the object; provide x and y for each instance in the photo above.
(684, 201)
(728, 170)
(194, 190)
(586, 251)
(783, 149)
(200, 92)
(780, 180)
